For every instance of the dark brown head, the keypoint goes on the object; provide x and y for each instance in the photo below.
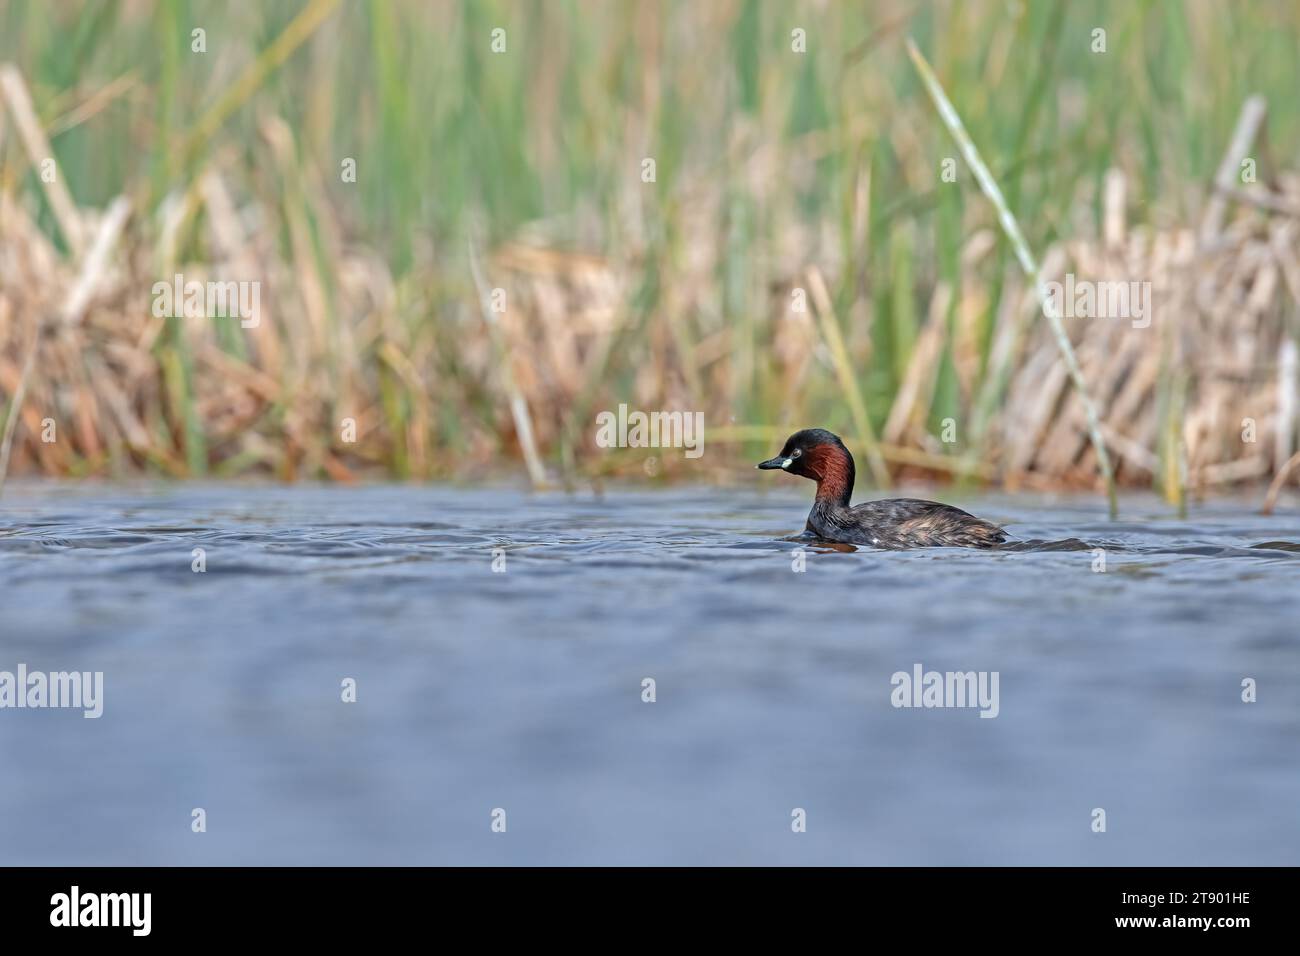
(820, 455)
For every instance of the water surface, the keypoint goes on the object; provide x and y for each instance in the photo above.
(522, 689)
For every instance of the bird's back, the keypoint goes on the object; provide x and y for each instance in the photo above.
(910, 523)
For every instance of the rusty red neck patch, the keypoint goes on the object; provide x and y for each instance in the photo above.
(832, 467)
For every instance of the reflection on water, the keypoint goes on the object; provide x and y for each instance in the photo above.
(523, 689)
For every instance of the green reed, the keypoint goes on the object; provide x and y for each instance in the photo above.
(837, 147)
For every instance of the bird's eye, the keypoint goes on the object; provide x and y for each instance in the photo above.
(796, 453)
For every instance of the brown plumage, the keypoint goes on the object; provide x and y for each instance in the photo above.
(894, 523)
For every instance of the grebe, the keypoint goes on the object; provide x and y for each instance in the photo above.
(894, 523)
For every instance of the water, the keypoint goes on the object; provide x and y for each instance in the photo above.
(522, 690)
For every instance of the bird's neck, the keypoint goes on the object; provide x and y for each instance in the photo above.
(835, 484)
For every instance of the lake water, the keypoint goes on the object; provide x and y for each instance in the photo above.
(522, 689)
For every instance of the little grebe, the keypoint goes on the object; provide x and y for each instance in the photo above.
(893, 523)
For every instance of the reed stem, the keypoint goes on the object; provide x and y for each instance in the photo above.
(1028, 264)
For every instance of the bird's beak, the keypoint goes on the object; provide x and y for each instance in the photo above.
(773, 464)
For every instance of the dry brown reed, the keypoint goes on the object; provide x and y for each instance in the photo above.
(1203, 397)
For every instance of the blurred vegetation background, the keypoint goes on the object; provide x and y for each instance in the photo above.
(773, 171)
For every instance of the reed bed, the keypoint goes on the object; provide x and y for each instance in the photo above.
(500, 271)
